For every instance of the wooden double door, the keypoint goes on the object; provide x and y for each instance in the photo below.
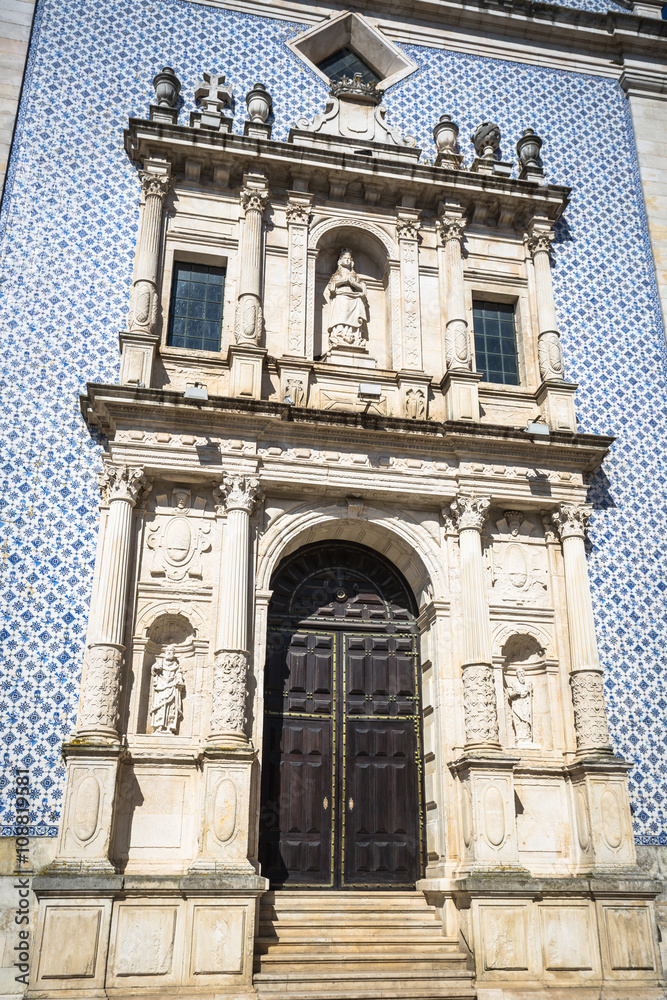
(341, 781)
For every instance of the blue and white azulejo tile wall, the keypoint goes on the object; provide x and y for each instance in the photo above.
(67, 235)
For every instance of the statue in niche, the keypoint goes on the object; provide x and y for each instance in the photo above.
(168, 686)
(348, 305)
(520, 694)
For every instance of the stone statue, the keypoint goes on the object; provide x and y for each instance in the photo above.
(348, 306)
(520, 693)
(168, 687)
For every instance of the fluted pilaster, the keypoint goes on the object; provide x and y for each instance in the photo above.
(450, 226)
(549, 349)
(143, 310)
(254, 197)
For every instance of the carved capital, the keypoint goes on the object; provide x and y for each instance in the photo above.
(470, 511)
(590, 717)
(237, 492)
(408, 229)
(538, 241)
(571, 519)
(228, 710)
(253, 200)
(122, 482)
(100, 686)
(298, 215)
(450, 227)
(479, 704)
(153, 185)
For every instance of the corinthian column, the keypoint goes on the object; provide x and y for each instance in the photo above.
(450, 226)
(479, 695)
(102, 666)
(254, 196)
(549, 350)
(228, 714)
(140, 340)
(590, 719)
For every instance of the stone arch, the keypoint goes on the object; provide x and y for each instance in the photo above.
(505, 633)
(401, 540)
(327, 225)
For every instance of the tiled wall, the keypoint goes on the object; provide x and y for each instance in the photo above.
(67, 237)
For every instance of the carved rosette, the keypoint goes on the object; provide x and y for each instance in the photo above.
(122, 482)
(571, 519)
(479, 704)
(238, 492)
(470, 511)
(590, 717)
(228, 711)
(100, 686)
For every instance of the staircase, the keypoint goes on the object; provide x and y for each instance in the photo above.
(356, 945)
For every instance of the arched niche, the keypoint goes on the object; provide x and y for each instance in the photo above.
(171, 628)
(524, 662)
(372, 250)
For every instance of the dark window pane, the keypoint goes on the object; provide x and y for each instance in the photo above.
(495, 342)
(345, 62)
(195, 315)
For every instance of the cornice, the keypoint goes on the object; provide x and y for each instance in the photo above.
(104, 406)
(535, 33)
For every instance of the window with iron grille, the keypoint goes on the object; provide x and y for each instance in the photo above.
(195, 313)
(495, 342)
(346, 62)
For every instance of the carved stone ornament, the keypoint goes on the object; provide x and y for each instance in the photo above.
(550, 356)
(450, 228)
(121, 482)
(143, 308)
(550, 532)
(486, 140)
(228, 712)
(253, 200)
(572, 519)
(590, 717)
(166, 709)
(298, 215)
(296, 391)
(479, 702)
(179, 543)
(457, 346)
(345, 295)
(415, 404)
(238, 492)
(213, 92)
(514, 519)
(539, 241)
(353, 111)
(470, 511)
(153, 185)
(98, 701)
(408, 229)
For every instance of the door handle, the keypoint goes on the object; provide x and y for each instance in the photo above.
(325, 802)
(350, 803)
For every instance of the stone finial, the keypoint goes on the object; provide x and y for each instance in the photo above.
(528, 150)
(167, 87)
(445, 136)
(259, 103)
(486, 140)
(213, 92)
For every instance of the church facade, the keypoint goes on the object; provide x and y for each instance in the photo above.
(359, 687)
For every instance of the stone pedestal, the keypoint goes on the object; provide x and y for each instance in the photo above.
(351, 357)
(487, 812)
(461, 391)
(246, 364)
(414, 388)
(294, 380)
(224, 836)
(556, 402)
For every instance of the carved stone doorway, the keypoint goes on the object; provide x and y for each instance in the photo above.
(342, 777)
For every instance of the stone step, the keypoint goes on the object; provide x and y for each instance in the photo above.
(415, 985)
(379, 944)
(356, 931)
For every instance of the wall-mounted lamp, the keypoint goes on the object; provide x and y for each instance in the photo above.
(196, 391)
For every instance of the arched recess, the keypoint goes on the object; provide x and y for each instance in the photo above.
(524, 654)
(376, 261)
(417, 553)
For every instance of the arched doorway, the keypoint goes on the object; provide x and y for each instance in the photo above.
(341, 789)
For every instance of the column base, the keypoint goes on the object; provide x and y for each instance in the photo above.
(246, 363)
(556, 402)
(137, 354)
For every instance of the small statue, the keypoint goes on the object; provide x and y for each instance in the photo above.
(520, 694)
(348, 306)
(168, 688)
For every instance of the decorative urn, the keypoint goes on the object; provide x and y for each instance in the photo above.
(445, 135)
(486, 139)
(259, 103)
(167, 87)
(528, 148)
